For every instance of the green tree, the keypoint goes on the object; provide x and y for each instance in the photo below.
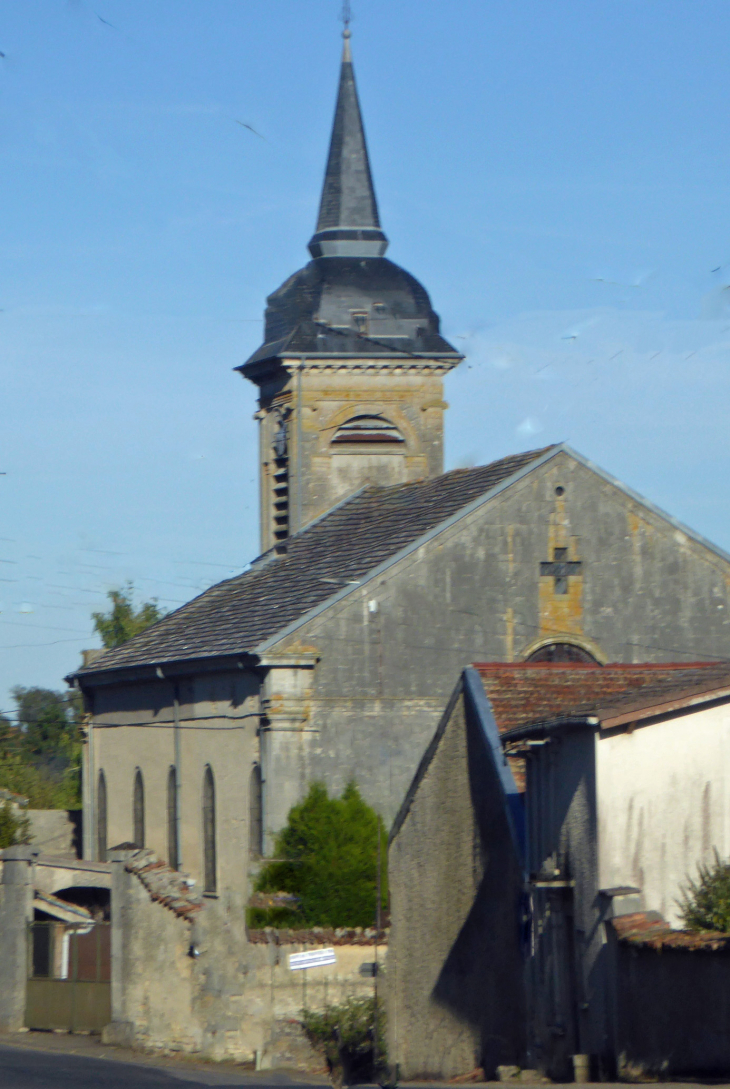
(328, 859)
(47, 722)
(705, 903)
(123, 621)
(40, 758)
(12, 829)
(10, 738)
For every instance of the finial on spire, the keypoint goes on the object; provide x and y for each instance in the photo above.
(346, 19)
(348, 224)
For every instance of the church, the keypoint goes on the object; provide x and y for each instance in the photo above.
(332, 656)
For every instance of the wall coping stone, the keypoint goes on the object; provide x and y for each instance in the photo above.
(171, 888)
(317, 935)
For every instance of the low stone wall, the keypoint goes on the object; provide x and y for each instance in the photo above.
(55, 831)
(186, 976)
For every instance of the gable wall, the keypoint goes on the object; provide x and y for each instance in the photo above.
(455, 883)
(647, 592)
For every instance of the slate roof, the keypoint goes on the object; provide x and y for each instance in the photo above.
(312, 314)
(348, 210)
(352, 539)
(526, 696)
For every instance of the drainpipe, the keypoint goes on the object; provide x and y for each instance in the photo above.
(177, 758)
(299, 443)
(178, 772)
(90, 836)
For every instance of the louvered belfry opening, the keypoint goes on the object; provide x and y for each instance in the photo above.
(101, 818)
(209, 844)
(367, 430)
(280, 480)
(138, 809)
(172, 851)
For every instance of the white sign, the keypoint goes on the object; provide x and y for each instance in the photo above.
(314, 959)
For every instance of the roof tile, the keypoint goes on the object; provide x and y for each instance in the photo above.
(528, 694)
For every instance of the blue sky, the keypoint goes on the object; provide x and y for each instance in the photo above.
(556, 173)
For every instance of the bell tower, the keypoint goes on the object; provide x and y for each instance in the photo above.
(351, 370)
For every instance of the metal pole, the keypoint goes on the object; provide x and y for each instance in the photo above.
(376, 968)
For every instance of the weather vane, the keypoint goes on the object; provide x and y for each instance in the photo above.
(346, 15)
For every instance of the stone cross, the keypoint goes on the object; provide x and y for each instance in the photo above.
(561, 568)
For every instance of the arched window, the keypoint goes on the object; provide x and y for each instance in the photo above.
(138, 808)
(209, 859)
(173, 856)
(101, 832)
(370, 430)
(255, 814)
(563, 652)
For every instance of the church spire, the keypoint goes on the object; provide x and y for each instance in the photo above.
(348, 224)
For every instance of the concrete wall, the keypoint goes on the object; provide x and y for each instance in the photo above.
(231, 1001)
(455, 994)
(16, 911)
(664, 804)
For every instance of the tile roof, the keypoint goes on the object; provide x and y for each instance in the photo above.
(236, 616)
(649, 928)
(529, 694)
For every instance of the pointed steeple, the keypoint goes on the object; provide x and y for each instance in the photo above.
(348, 223)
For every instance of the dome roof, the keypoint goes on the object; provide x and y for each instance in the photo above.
(351, 306)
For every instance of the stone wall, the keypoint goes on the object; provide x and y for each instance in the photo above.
(55, 831)
(186, 976)
(390, 651)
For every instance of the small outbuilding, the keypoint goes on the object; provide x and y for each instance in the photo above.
(553, 800)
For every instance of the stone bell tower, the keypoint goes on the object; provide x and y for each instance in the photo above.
(351, 371)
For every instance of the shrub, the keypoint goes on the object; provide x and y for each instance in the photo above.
(329, 859)
(344, 1035)
(13, 829)
(705, 903)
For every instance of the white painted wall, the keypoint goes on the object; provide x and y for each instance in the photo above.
(663, 804)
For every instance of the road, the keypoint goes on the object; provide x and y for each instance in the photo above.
(26, 1068)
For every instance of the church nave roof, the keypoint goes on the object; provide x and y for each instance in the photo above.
(327, 557)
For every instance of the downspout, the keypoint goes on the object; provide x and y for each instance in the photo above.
(178, 771)
(177, 761)
(90, 836)
(299, 443)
